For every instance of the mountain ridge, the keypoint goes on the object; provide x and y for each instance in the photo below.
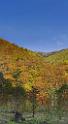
(46, 54)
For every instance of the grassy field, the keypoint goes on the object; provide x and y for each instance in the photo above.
(40, 118)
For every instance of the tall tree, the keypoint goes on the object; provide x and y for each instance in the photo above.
(33, 95)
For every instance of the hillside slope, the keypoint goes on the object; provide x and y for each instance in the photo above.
(14, 59)
(30, 68)
(60, 56)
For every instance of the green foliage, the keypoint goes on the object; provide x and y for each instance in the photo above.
(62, 89)
(5, 85)
(16, 74)
(18, 91)
(1, 75)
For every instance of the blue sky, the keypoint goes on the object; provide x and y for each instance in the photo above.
(40, 25)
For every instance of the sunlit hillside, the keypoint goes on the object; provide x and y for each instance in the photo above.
(22, 68)
(34, 69)
(58, 57)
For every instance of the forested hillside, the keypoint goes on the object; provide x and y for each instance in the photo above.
(32, 68)
(28, 69)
